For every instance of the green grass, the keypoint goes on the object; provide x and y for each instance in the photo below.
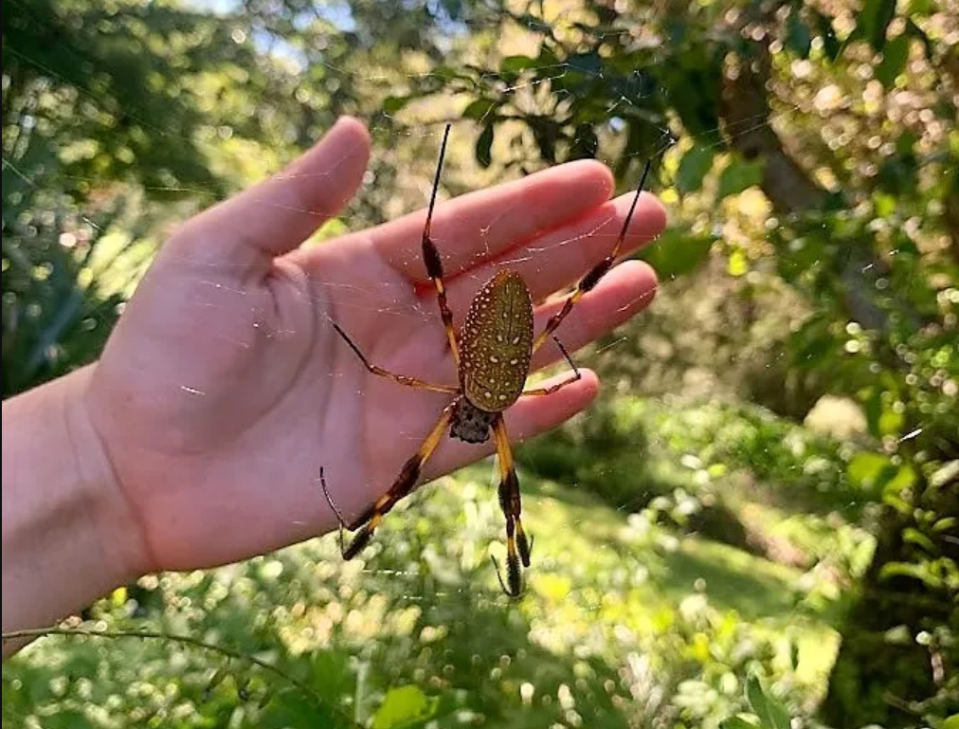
(625, 621)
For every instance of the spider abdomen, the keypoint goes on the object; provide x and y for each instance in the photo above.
(496, 343)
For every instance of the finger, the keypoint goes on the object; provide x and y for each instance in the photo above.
(620, 295)
(277, 215)
(483, 224)
(562, 256)
(528, 417)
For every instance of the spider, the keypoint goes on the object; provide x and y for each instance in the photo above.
(492, 354)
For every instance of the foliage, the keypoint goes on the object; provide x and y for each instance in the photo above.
(420, 625)
(869, 249)
(811, 163)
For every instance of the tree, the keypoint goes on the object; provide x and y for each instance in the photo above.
(863, 190)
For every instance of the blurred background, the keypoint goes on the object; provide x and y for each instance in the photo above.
(757, 523)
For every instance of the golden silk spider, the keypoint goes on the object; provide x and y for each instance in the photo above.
(492, 354)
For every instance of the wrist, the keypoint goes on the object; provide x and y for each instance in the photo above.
(116, 523)
(69, 536)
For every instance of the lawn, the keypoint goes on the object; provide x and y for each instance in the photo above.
(638, 611)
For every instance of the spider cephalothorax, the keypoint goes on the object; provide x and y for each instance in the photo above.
(492, 354)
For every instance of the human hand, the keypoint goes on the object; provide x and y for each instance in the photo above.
(224, 387)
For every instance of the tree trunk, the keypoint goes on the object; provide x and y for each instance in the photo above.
(875, 679)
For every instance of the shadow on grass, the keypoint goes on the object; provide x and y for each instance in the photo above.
(422, 611)
(731, 582)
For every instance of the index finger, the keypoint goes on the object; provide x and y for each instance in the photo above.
(482, 225)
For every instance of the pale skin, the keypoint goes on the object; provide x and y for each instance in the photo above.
(196, 439)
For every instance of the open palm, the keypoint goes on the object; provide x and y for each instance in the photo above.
(224, 388)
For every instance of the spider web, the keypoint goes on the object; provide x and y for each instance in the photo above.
(420, 130)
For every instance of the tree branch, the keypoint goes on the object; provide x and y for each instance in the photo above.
(745, 113)
(185, 640)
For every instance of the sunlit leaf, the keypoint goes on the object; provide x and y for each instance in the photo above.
(947, 523)
(403, 706)
(897, 481)
(866, 469)
(923, 571)
(891, 422)
(913, 536)
(772, 715)
(951, 722)
(738, 263)
(885, 204)
(677, 252)
(737, 722)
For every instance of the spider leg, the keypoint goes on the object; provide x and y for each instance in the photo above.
(434, 265)
(400, 379)
(518, 547)
(402, 487)
(593, 276)
(575, 377)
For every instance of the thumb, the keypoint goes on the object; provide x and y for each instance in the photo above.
(277, 215)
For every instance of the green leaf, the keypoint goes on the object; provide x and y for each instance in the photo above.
(951, 722)
(894, 57)
(693, 168)
(589, 63)
(873, 406)
(736, 722)
(885, 204)
(865, 469)
(404, 706)
(830, 43)
(484, 145)
(896, 480)
(911, 535)
(332, 669)
(546, 132)
(738, 263)
(677, 253)
(515, 64)
(771, 713)
(585, 143)
(945, 524)
(392, 104)
(874, 21)
(922, 571)
(890, 422)
(448, 73)
(738, 176)
(480, 109)
(798, 36)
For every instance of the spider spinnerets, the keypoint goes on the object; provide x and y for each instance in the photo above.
(492, 354)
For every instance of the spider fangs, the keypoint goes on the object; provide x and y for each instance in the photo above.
(492, 354)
